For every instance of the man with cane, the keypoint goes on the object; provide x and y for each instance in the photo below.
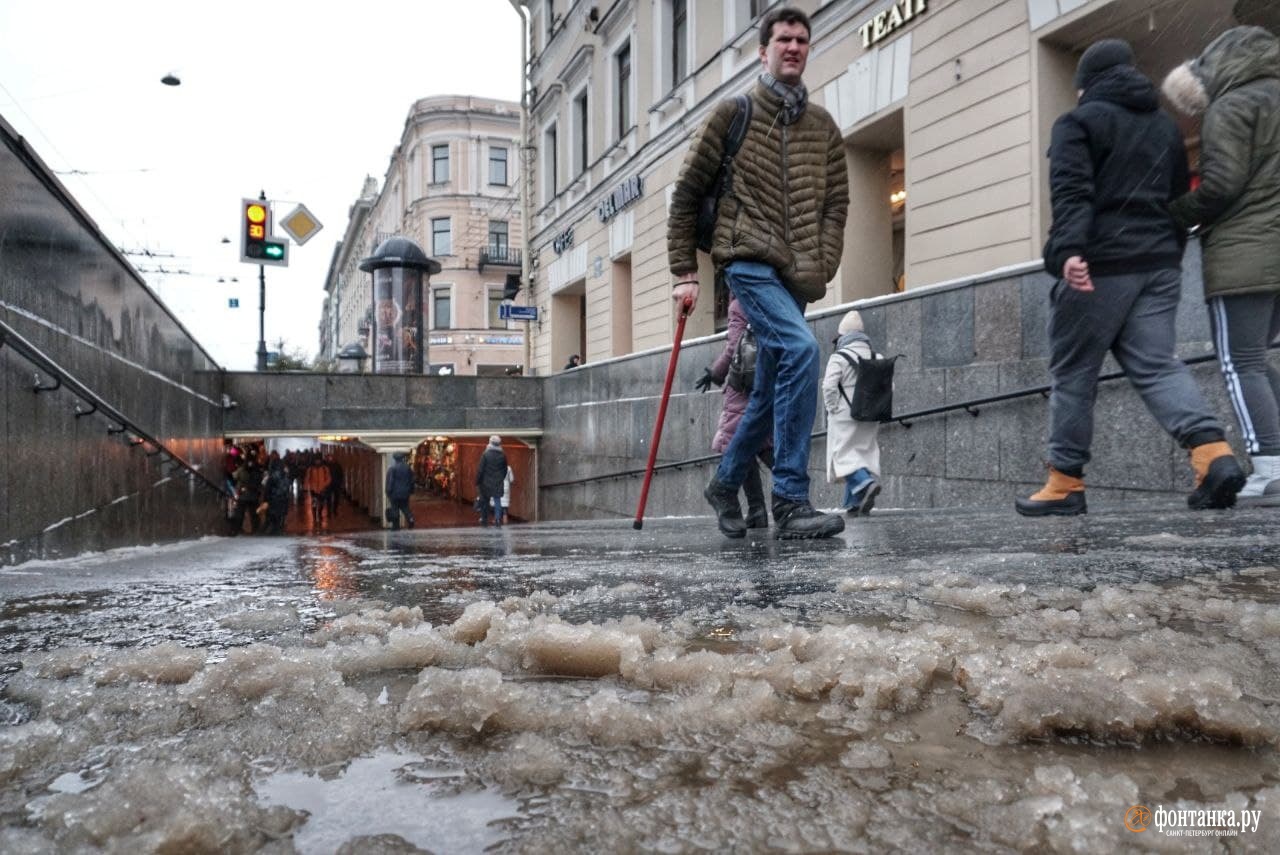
(778, 237)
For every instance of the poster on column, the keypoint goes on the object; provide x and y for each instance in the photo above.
(397, 314)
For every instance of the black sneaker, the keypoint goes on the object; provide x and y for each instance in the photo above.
(798, 520)
(728, 512)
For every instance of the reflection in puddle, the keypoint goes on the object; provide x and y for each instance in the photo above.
(391, 793)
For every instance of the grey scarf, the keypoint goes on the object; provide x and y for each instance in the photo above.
(794, 98)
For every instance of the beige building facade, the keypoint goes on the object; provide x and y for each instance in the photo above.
(946, 107)
(452, 186)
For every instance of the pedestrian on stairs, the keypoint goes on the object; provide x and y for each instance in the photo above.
(1235, 85)
(853, 447)
(1115, 163)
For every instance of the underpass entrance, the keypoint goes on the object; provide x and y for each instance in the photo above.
(444, 467)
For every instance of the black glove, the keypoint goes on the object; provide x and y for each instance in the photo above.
(703, 383)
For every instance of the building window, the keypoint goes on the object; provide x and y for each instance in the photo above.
(552, 18)
(498, 166)
(495, 305)
(439, 164)
(622, 74)
(442, 308)
(755, 7)
(549, 163)
(679, 41)
(582, 119)
(441, 242)
(498, 239)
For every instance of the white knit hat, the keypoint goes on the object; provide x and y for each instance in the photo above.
(852, 322)
(495, 440)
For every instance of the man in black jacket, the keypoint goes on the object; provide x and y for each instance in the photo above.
(1115, 163)
(399, 489)
(491, 476)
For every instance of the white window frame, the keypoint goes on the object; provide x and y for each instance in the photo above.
(506, 164)
(492, 289)
(615, 89)
(448, 164)
(581, 132)
(549, 174)
(435, 253)
(437, 288)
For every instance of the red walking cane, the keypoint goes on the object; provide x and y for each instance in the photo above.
(662, 414)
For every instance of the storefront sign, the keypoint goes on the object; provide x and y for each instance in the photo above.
(884, 23)
(502, 339)
(440, 339)
(626, 193)
(563, 241)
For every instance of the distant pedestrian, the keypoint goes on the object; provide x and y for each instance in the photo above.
(507, 484)
(735, 404)
(276, 492)
(248, 481)
(1235, 86)
(778, 238)
(489, 477)
(317, 481)
(1115, 163)
(336, 487)
(574, 362)
(853, 447)
(399, 488)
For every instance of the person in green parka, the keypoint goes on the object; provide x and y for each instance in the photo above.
(1235, 86)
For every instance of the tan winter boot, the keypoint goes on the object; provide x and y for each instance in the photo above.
(1062, 495)
(1218, 476)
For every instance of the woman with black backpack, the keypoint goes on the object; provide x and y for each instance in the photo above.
(853, 447)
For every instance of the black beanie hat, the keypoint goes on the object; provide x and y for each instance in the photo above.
(1101, 56)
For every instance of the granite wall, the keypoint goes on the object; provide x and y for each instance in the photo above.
(66, 484)
(962, 340)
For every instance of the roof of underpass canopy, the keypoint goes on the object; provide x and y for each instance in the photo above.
(384, 411)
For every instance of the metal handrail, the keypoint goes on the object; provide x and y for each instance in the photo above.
(970, 406)
(121, 423)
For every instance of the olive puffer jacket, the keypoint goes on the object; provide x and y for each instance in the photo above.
(788, 202)
(1238, 200)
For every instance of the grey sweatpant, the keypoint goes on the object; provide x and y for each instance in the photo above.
(1243, 327)
(1132, 316)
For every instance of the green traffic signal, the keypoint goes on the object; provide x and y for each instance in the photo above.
(273, 250)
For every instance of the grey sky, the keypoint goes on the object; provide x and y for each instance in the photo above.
(303, 104)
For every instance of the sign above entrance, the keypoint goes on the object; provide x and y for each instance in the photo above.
(625, 194)
(898, 15)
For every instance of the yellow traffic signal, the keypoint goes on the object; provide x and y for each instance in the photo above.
(257, 246)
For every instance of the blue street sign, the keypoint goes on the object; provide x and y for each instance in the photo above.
(233, 302)
(518, 313)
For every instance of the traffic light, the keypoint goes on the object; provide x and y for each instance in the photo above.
(257, 246)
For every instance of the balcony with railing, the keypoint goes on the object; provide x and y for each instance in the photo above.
(499, 256)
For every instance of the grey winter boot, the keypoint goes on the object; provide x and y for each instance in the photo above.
(798, 520)
(757, 512)
(1262, 488)
(728, 511)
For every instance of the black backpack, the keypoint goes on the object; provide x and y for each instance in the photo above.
(705, 227)
(742, 364)
(872, 399)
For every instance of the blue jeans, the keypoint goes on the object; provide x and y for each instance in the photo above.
(855, 483)
(784, 397)
(491, 503)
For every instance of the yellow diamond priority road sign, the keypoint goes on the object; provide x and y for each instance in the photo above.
(301, 225)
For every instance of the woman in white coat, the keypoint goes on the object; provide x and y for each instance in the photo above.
(853, 448)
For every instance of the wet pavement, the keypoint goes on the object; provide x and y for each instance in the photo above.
(929, 680)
